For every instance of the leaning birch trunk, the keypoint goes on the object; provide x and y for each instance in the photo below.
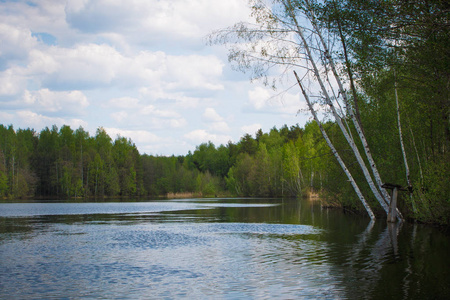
(408, 178)
(351, 142)
(417, 153)
(336, 154)
(386, 197)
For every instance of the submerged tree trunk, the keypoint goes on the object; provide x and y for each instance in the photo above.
(334, 151)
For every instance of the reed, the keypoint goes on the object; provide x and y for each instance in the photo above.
(183, 195)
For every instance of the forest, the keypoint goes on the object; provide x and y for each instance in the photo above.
(71, 163)
(392, 58)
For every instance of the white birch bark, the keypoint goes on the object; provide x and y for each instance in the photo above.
(417, 154)
(351, 142)
(386, 196)
(335, 153)
(408, 179)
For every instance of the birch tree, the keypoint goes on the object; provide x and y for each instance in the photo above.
(400, 50)
(334, 151)
(286, 34)
(330, 61)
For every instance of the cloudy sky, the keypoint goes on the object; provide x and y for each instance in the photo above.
(139, 68)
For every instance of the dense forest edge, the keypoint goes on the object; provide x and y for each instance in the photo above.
(286, 162)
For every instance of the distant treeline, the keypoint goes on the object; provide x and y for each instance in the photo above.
(285, 162)
(67, 163)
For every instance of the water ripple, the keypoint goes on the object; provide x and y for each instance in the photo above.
(187, 250)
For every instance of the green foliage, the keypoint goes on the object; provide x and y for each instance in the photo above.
(207, 158)
(287, 162)
(292, 173)
(260, 175)
(432, 196)
(67, 163)
(3, 185)
(248, 145)
(238, 179)
(385, 52)
(208, 185)
(403, 44)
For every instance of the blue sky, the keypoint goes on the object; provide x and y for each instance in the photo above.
(138, 68)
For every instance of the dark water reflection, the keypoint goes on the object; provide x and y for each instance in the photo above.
(221, 248)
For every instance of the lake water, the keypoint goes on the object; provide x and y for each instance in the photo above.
(215, 249)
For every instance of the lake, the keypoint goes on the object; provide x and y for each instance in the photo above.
(215, 249)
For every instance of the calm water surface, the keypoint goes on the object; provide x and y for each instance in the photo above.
(214, 249)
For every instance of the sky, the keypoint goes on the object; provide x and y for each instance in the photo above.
(141, 69)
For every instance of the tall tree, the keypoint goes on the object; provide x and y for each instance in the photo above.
(47, 164)
(292, 173)
(282, 37)
(399, 50)
(81, 146)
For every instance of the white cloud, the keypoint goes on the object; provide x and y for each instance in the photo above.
(75, 6)
(152, 110)
(162, 21)
(135, 113)
(211, 115)
(176, 147)
(31, 119)
(258, 97)
(88, 66)
(38, 16)
(251, 129)
(181, 100)
(16, 42)
(156, 123)
(221, 126)
(150, 143)
(6, 117)
(194, 71)
(44, 100)
(137, 136)
(11, 83)
(85, 66)
(264, 100)
(124, 102)
(119, 116)
(42, 62)
(136, 120)
(201, 136)
(215, 121)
